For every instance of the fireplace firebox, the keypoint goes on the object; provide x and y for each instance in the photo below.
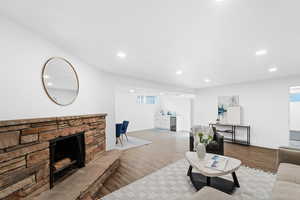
(67, 154)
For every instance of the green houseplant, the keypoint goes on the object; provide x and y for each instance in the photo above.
(203, 140)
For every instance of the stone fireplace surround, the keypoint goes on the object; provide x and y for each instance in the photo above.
(24, 150)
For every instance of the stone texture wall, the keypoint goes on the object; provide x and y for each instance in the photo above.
(24, 150)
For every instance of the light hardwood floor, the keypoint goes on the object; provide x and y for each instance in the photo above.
(166, 149)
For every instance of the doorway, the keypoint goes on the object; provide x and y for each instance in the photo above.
(294, 118)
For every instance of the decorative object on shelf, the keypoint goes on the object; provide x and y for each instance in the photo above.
(60, 81)
(162, 112)
(203, 140)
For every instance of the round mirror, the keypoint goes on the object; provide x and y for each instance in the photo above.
(60, 81)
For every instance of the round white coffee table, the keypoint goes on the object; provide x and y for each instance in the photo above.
(201, 175)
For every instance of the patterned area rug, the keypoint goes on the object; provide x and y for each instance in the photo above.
(171, 182)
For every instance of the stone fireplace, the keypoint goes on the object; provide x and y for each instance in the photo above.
(36, 153)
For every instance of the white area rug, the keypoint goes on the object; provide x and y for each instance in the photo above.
(132, 142)
(172, 182)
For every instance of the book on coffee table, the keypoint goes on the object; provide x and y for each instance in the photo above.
(217, 162)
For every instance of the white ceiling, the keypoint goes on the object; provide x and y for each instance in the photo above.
(203, 38)
(155, 92)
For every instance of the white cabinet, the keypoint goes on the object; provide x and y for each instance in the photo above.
(234, 115)
(170, 123)
(162, 122)
(180, 125)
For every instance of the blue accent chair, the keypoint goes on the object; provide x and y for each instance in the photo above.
(124, 129)
(118, 133)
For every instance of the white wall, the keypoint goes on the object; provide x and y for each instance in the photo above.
(265, 106)
(265, 103)
(295, 116)
(22, 96)
(182, 107)
(23, 54)
(140, 116)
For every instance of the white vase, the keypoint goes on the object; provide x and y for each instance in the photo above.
(201, 150)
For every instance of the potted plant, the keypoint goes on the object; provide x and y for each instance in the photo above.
(203, 141)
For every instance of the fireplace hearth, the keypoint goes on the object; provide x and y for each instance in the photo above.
(66, 155)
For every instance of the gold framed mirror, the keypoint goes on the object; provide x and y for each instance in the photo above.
(60, 81)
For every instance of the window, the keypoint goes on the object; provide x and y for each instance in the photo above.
(295, 97)
(150, 99)
(146, 100)
(140, 99)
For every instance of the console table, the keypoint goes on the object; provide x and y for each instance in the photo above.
(232, 129)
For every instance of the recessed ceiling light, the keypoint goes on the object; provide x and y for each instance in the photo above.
(273, 69)
(161, 93)
(50, 84)
(131, 91)
(261, 52)
(219, 0)
(179, 72)
(207, 80)
(121, 54)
